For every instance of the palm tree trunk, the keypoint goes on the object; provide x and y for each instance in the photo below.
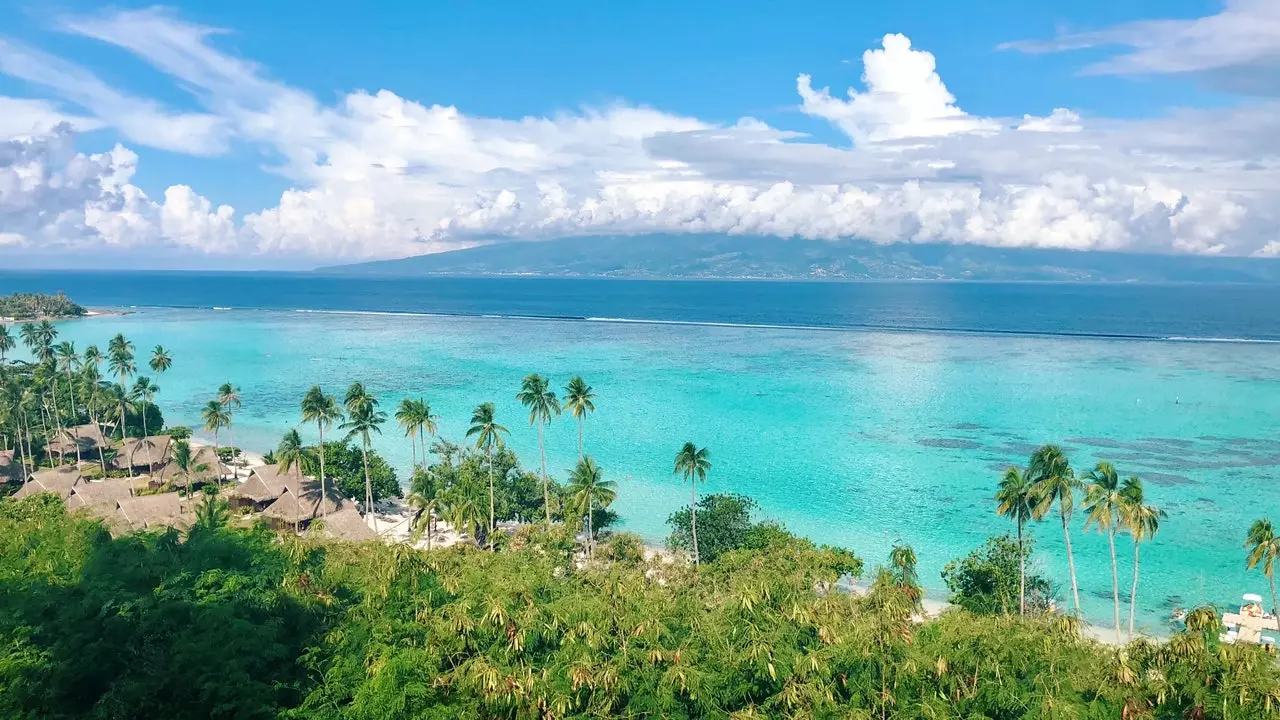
(1115, 580)
(1022, 574)
(1133, 592)
(122, 436)
(57, 415)
(492, 526)
(368, 484)
(102, 452)
(297, 498)
(217, 458)
(546, 492)
(413, 448)
(151, 466)
(693, 519)
(580, 438)
(591, 537)
(324, 510)
(235, 469)
(74, 418)
(1071, 565)
(1275, 606)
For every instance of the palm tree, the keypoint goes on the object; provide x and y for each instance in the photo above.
(144, 392)
(289, 456)
(322, 410)
(229, 397)
(69, 361)
(693, 463)
(425, 498)
(542, 403)
(215, 417)
(1055, 483)
(578, 400)
(120, 363)
(1143, 522)
(589, 490)
(160, 360)
(363, 418)
(7, 342)
(487, 433)
(116, 399)
(212, 513)
(1264, 550)
(91, 356)
(1017, 501)
(183, 458)
(415, 417)
(1105, 506)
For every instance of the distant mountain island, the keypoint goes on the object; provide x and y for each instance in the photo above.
(756, 257)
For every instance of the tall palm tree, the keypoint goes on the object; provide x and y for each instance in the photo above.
(229, 397)
(1142, 521)
(363, 418)
(1105, 506)
(415, 417)
(91, 356)
(589, 490)
(117, 399)
(120, 363)
(289, 456)
(69, 361)
(488, 433)
(215, 417)
(7, 342)
(542, 403)
(693, 463)
(1017, 501)
(1055, 483)
(94, 402)
(184, 460)
(143, 393)
(161, 361)
(425, 501)
(322, 410)
(1264, 551)
(579, 401)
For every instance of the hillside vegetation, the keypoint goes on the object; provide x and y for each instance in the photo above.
(29, 306)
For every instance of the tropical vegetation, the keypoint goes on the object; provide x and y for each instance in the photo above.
(38, 306)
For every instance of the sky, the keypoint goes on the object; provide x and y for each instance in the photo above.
(294, 134)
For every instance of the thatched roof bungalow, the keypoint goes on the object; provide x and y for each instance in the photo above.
(264, 486)
(214, 468)
(100, 495)
(59, 481)
(302, 505)
(154, 511)
(89, 437)
(138, 453)
(10, 469)
(345, 524)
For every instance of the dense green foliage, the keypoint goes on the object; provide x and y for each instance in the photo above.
(231, 623)
(344, 466)
(31, 306)
(724, 524)
(986, 580)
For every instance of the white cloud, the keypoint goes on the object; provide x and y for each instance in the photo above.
(905, 98)
(1238, 47)
(26, 117)
(377, 175)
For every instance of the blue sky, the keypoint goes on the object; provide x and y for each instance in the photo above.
(703, 67)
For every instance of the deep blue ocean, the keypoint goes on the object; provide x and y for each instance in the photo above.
(859, 414)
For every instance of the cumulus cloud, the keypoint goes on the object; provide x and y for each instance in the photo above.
(375, 174)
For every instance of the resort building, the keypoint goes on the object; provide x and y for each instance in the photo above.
(141, 454)
(88, 438)
(1248, 625)
(59, 481)
(264, 486)
(10, 468)
(206, 468)
(101, 496)
(155, 511)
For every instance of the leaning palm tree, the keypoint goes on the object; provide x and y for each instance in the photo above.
(1055, 483)
(1264, 551)
(542, 403)
(363, 418)
(1105, 506)
(589, 490)
(1142, 521)
(693, 463)
(7, 342)
(322, 410)
(229, 397)
(215, 417)
(289, 456)
(488, 433)
(1017, 501)
(120, 363)
(579, 401)
(161, 361)
(143, 393)
(69, 361)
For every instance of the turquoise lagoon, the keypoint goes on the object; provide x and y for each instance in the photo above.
(860, 438)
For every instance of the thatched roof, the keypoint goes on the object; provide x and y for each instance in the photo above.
(214, 468)
(88, 437)
(9, 467)
(150, 511)
(303, 506)
(57, 480)
(265, 483)
(345, 524)
(99, 494)
(133, 452)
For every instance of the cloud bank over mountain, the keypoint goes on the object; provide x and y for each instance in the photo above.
(375, 175)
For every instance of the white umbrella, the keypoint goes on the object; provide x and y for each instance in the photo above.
(1251, 597)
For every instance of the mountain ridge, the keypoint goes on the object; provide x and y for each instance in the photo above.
(769, 258)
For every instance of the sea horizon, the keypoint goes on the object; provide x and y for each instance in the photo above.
(886, 415)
